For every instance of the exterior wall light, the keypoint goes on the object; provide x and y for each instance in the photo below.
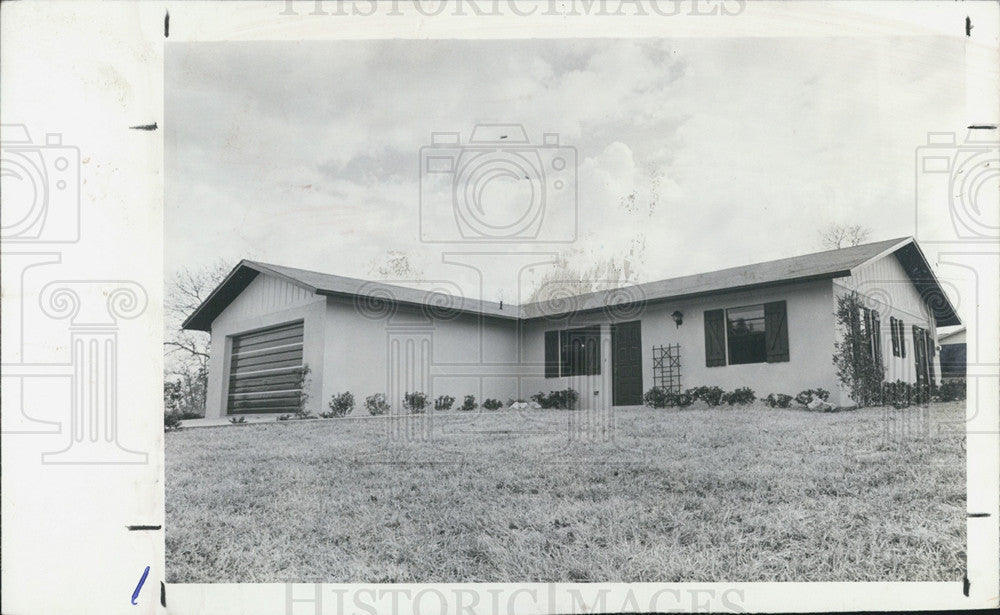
(678, 317)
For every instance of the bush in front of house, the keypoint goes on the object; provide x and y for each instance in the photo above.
(376, 404)
(562, 400)
(951, 390)
(742, 396)
(492, 404)
(469, 404)
(898, 394)
(859, 372)
(444, 402)
(710, 395)
(416, 402)
(656, 397)
(341, 404)
(804, 398)
(778, 400)
(171, 421)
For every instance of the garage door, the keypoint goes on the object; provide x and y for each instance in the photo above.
(265, 370)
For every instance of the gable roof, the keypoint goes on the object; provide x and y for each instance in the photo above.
(335, 285)
(817, 266)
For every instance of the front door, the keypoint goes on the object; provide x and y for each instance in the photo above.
(626, 363)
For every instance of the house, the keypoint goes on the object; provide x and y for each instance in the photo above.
(769, 326)
(953, 359)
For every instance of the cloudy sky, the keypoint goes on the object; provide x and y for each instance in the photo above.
(693, 154)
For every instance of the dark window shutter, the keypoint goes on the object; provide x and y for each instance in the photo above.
(877, 336)
(776, 332)
(895, 335)
(902, 338)
(715, 338)
(552, 354)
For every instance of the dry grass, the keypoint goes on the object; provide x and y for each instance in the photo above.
(746, 494)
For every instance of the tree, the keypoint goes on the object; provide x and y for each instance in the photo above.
(567, 279)
(186, 353)
(859, 370)
(838, 236)
(394, 265)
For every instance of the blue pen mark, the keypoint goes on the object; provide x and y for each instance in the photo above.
(142, 579)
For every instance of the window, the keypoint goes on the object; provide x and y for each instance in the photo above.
(871, 328)
(902, 337)
(747, 334)
(894, 331)
(573, 352)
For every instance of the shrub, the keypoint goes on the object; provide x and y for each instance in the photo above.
(376, 404)
(710, 395)
(444, 402)
(806, 397)
(492, 404)
(656, 397)
(663, 398)
(469, 404)
(898, 394)
(951, 390)
(858, 370)
(741, 396)
(341, 404)
(779, 400)
(563, 400)
(682, 400)
(171, 421)
(416, 402)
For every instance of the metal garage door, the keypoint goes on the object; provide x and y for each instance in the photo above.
(265, 370)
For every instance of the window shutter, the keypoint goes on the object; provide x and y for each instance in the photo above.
(776, 332)
(902, 338)
(551, 354)
(895, 335)
(715, 338)
(877, 336)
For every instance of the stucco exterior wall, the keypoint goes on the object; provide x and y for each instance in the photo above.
(887, 288)
(265, 302)
(374, 351)
(810, 320)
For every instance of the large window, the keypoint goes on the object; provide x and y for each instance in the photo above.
(573, 352)
(747, 334)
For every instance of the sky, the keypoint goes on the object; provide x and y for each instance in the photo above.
(690, 154)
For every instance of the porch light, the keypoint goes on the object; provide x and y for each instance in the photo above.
(678, 317)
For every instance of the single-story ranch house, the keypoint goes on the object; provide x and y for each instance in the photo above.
(770, 326)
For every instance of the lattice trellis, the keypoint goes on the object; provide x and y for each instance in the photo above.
(667, 367)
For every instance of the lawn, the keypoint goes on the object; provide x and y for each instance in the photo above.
(700, 494)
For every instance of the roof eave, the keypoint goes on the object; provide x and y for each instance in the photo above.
(687, 296)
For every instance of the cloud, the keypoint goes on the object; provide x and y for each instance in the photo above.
(717, 152)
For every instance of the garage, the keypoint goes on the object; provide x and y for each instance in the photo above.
(265, 370)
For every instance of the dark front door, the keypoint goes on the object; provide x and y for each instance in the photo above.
(626, 364)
